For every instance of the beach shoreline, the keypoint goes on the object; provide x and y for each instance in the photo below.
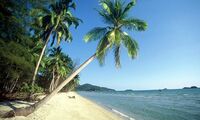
(65, 106)
(110, 109)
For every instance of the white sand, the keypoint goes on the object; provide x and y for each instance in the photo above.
(60, 107)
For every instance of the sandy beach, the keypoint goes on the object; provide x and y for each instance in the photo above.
(61, 107)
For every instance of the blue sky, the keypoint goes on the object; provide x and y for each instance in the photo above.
(169, 55)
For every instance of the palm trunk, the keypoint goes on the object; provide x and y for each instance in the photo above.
(52, 82)
(28, 110)
(14, 84)
(56, 82)
(40, 58)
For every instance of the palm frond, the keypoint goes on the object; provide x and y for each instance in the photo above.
(130, 44)
(102, 49)
(106, 17)
(53, 18)
(69, 19)
(66, 32)
(118, 9)
(36, 12)
(53, 38)
(59, 35)
(76, 21)
(73, 5)
(115, 14)
(110, 11)
(95, 34)
(134, 24)
(69, 37)
(117, 37)
(129, 6)
(105, 7)
(114, 36)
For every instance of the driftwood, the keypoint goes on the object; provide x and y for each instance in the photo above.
(71, 97)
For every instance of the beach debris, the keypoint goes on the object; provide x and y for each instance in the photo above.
(71, 97)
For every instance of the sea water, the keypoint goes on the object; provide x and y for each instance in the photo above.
(182, 104)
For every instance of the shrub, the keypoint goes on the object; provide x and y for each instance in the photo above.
(28, 88)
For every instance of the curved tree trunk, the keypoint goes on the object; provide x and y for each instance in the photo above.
(52, 84)
(40, 58)
(28, 110)
(51, 87)
(56, 82)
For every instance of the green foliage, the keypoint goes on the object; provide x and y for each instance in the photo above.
(56, 64)
(89, 87)
(134, 24)
(16, 54)
(20, 47)
(115, 14)
(95, 33)
(15, 63)
(130, 44)
(57, 61)
(28, 88)
(72, 84)
(102, 49)
(54, 20)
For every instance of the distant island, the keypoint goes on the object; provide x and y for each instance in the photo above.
(89, 87)
(192, 87)
(128, 90)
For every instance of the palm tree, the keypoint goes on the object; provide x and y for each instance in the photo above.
(59, 65)
(62, 65)
(115, 14)
(55, 66)
(56, 22)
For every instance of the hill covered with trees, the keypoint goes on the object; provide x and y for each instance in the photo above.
(89, 87)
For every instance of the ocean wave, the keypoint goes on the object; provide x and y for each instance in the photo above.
(122, 114)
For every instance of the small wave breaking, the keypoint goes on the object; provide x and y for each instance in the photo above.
(122, 114)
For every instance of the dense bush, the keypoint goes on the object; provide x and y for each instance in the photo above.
(28, 88)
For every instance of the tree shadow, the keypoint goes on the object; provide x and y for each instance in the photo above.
(11, 104)
(8, 104)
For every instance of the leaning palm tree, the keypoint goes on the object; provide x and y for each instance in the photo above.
(115, 14)
(54, 21)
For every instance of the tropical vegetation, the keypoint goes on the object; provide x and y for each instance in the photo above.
(21, 43)
(41, 63)
(54, 21)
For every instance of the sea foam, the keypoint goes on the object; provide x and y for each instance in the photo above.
(122, 114)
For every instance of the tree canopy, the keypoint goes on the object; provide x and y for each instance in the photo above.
(115, 16)
(19, 46)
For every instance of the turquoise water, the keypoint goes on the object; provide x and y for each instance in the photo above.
(183, 104)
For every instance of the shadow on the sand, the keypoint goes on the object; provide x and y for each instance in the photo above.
(13, 105)
(8, 104)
